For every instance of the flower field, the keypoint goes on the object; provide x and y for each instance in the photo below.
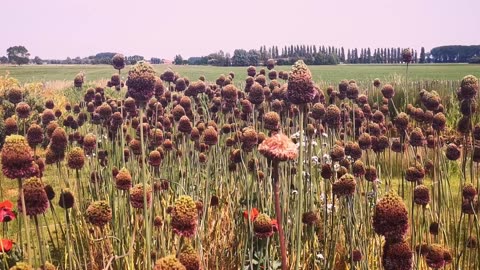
(264, 168)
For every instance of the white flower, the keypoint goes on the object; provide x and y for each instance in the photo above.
(320, 256)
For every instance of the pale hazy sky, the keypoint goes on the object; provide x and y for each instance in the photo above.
(61, 28)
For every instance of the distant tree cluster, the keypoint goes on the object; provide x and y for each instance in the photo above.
(456, 54)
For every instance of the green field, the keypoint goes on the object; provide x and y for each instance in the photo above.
(328, 74)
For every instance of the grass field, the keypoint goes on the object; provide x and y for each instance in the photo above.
(328, 74)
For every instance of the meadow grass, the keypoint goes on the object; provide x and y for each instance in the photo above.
(328, 74)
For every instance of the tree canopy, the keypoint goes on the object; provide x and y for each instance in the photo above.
(18, 55)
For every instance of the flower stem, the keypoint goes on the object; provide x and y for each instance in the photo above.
(25, 220)
(40, 247)
(278, 213)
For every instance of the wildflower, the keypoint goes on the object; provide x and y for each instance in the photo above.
(390, 217)
(66, 199)
(344, 186)
(264, 226)
(99, 213)
(36, 200)
(17, 159)
(76, 158)
(253, 214)
(118, 61)
(137, 196)
(278, 147)
(6, 213)
(300, 85)
(421, 195)
(189, 258)
(169, 263)
(397, 256)
(184, 216)
(6, 245)
(141, 82)
(437, 256)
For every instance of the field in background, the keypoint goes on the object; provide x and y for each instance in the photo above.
(327, 74)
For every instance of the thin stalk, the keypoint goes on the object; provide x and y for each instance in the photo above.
(276, 186)
(25, 220)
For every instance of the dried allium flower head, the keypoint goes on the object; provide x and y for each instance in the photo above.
(356, 255)
(434, 228)
(155, 158)
(141, 82)
(99, 213)
(352, 91)
(34, 135)
(76, 158)
(21, 266)
(278, 147)
(469, 87)
(472, 242)
(123, 179)
(438, 122)
(15, 95)
(407, 55)
(318, 111)
(210, 136)
(17, 158)
(270, 64)
(344, 186)
(415, 173)
(169, 263)
(310, 218)
(184, 216)
(469, 191)
(49, 191)
(79, 80)
(397, 256)
(417, 138)
(23, 110)
(263, 227)
(271, 121)
(249, 139)
(437, 256)
(421, 195)
(36, 199)
(376, 82)
(189, 258)
(11, 126)
(452, 152)
(332, 116)
(358, 168)
(48, 266)
(300, 85)
(59, 140)
(118, 61)
(337, 153)
(137, 196)
(390, 217)
(388, 91)
(256, 94)
(230, 94)
(365, 141)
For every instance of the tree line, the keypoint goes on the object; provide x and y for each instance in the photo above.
(286, 55)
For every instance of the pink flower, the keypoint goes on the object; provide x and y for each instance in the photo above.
(278, 147)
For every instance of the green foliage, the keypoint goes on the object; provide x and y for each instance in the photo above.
(455, 54)
(18, 55)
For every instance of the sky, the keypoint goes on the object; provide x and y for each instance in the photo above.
(57, 29)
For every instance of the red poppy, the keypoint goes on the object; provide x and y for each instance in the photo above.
(253, 214)
(6, 245)
(274, 225)
(6, 213)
